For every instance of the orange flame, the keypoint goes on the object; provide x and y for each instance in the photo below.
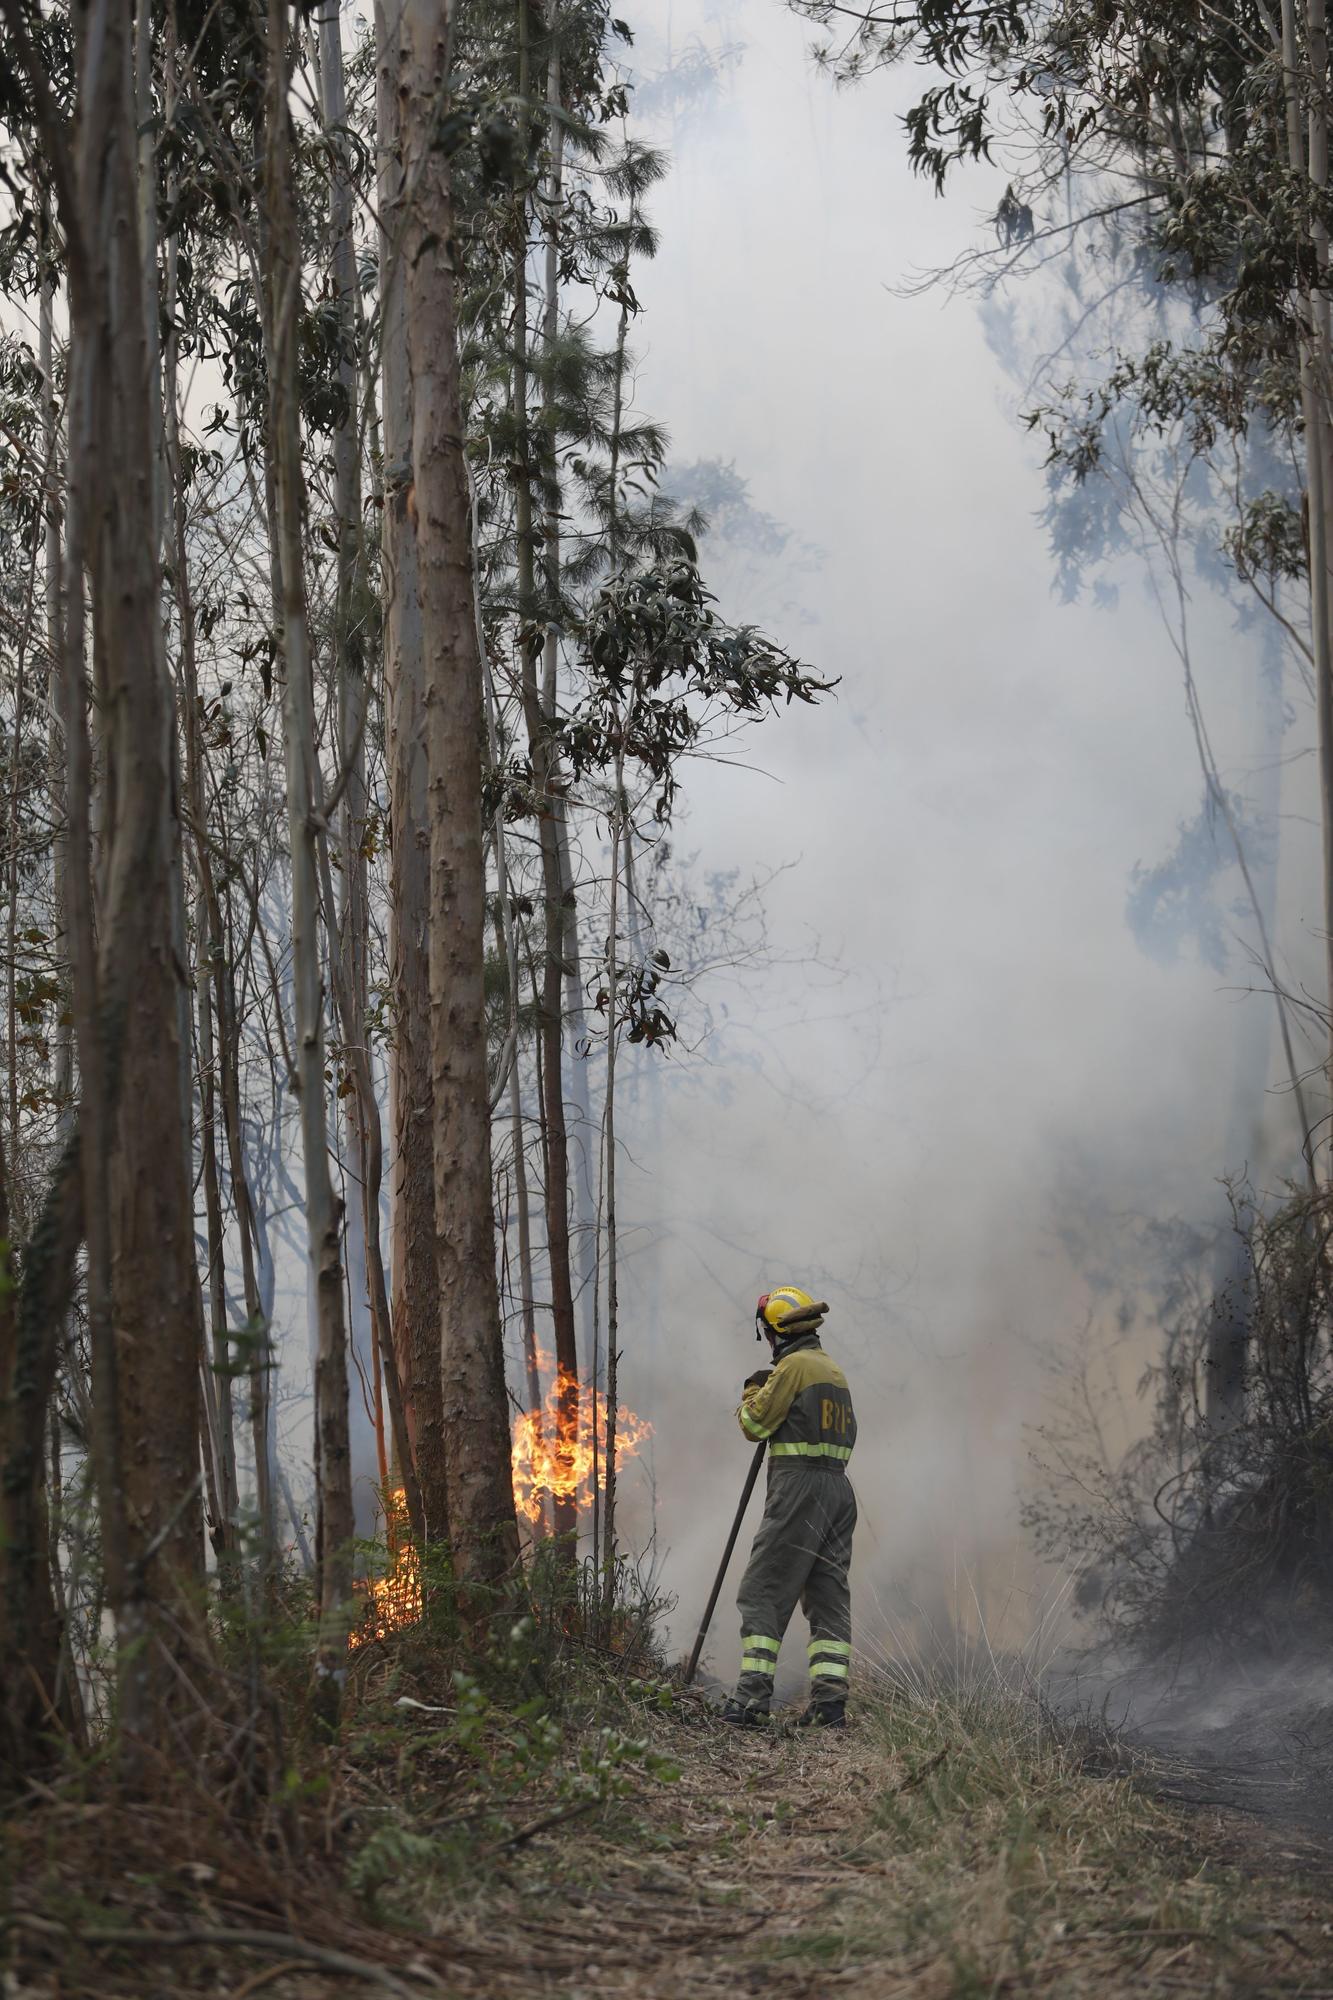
(550, 1466)
(546, 1466)
(394, 1599)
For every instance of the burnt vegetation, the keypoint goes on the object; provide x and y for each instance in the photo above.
(1214, 1533)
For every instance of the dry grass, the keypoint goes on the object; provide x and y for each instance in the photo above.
(946, 1845)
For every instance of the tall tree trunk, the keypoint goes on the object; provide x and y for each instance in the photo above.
(476, 1429)
(582, 1142)
(360, 1105)
(506, 938)
(416, 1298)
(323, 1220)
(541, 751)
(1316, 385)
(213, 972)
(257, 1308)
(142, 1273)
(368, 1269)
(1321, 560)
(612, 1236)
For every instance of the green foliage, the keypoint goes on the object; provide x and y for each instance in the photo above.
(661, 666)
(513, 1747)
(1268, 540)
(1150, 152)
(645, 664)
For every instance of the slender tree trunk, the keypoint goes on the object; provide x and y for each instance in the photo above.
(542, 754)
(257, 1313)
(1229, 1325)
(416, 1297)
(1321, 556)
(476, 1429)
(349, 921)
(142, 1277)
(323, 1220)
(527, 1295)
(12, 893)
(33, 1318)
(612, 1238)
(553, 199)
(219, 1431)
(581, 1135)
(217, 1272)
(1316, 389)
(506, 938)
(372, 1268)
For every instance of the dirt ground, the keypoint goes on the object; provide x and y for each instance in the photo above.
(944, 1846)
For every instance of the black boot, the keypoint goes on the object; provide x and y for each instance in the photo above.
(825, 1715)
(743, 1714)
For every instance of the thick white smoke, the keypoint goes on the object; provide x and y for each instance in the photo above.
(965, 817)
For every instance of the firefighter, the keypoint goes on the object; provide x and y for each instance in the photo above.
(803, 1550)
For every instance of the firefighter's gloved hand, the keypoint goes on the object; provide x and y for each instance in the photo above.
(758, 1379)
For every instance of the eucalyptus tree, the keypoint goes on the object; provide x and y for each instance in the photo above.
(31, 1121)
(567, 502)
(416, 1310)
(1194, 142)
(436, 323)
(476, 1431)
(132, 1201)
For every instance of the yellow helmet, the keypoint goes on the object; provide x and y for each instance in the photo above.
(787, 1302)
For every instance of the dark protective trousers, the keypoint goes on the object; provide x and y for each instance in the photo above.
(802, 1554)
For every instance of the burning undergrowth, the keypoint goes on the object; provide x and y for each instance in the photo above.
(1215, 1533)
(558, 1454)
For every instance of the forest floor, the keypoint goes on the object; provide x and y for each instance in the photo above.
(945, 1846)
(1255, 1738)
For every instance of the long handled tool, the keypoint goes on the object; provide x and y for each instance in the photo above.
(716, 1592)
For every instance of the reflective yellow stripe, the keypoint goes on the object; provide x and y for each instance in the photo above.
(843, 1451)
(829, 1670)
(760, 1663)
(751, 1642)
(840, 1648)
(752, 1429)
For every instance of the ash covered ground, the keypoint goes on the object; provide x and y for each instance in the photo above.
(1253, 1737)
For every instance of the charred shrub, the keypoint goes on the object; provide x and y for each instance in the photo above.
(1216, 1530)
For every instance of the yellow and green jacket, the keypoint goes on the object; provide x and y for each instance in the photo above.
(804, 1409)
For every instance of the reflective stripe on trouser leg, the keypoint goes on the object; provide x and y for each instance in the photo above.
(829, 1657)
(830, 1663)
(759, 1654)
(759, 1661)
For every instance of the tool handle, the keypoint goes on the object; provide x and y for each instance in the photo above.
(750, 1478)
